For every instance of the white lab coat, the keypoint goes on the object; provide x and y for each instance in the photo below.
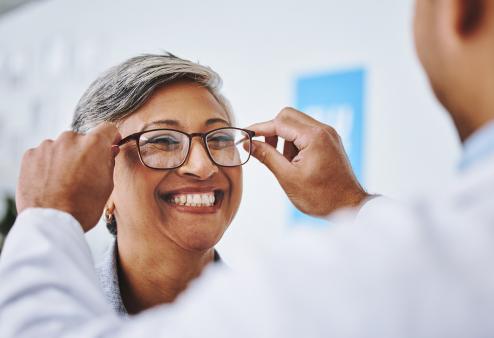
(424, 270)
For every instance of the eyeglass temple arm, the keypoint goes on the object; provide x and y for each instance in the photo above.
(126, 140)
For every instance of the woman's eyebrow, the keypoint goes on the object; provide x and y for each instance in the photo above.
(160, 123)
(177, 124)
(216, 120)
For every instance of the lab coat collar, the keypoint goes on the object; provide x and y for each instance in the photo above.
(478, 147)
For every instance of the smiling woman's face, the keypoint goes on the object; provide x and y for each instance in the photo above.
(144, 198)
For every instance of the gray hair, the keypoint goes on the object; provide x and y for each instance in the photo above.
(123, 89)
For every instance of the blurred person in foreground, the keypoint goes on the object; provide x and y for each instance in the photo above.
(387, 270)
(173, 195)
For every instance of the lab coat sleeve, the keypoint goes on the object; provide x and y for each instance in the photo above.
(375, 278)
(48, 285)
(298, 287)
(361, 213)
(301, 286)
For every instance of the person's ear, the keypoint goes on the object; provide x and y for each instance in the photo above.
(469, 16)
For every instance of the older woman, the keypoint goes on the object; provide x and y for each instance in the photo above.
(177, 178)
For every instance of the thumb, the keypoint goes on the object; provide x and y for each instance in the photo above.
(271, 158)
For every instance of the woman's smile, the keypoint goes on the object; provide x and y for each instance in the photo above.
(196, 200)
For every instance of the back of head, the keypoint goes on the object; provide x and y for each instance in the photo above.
(123, 89)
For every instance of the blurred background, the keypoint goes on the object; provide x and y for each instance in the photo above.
(349, 63)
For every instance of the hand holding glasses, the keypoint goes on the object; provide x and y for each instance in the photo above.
(169, 148)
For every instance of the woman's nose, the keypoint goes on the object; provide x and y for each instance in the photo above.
(198, 164)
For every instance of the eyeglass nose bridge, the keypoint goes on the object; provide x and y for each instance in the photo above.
(204, 142)
(201, 135)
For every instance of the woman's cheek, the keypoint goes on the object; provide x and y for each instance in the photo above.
(235, 177)
(129, 163)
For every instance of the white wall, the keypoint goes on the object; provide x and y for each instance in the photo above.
(50, 51)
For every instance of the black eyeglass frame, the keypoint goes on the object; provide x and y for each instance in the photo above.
(136, 136)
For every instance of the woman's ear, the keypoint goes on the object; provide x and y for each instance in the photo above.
(470, 15)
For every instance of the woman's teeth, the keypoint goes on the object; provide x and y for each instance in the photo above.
(194, 200)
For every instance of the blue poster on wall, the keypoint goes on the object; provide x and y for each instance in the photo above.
(337, 99)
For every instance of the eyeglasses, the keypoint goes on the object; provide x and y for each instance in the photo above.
(169, 148)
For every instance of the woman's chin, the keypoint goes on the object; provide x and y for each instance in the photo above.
(199, 240)
(199, 245)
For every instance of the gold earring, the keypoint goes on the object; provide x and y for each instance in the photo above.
(108, 216)
(111, 222)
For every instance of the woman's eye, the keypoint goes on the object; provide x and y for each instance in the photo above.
(163, 140)
(221, 141)
(163, 143)
(222, 138)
